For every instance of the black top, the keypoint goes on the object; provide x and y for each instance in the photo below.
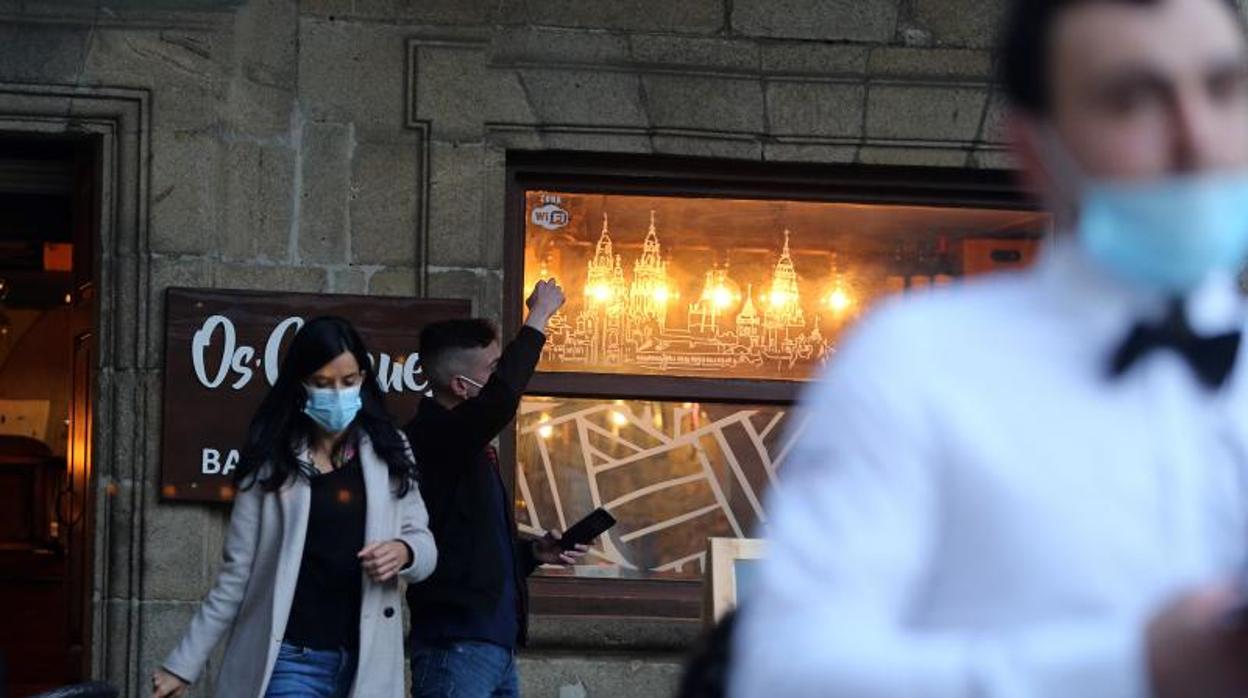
(478, 566)
(325, 614)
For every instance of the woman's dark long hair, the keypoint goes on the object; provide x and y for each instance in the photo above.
(280, 428)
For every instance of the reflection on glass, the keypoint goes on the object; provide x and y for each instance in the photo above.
(672, 473)
(743, 288)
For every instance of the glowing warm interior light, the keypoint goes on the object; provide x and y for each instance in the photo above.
(600, 292)
(839, 301)
(779, 298)
(618, 418)
(545, 430)
(660, 294)
(721, 297)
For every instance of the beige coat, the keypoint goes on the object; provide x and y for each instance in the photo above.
(255, 587)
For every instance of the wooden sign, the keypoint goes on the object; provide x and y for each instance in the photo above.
(223, 350)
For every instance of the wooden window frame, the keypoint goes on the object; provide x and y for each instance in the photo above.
(654, 175)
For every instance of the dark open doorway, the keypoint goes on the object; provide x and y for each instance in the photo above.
(49, 203)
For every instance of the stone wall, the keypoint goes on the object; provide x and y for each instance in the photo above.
(359, 146)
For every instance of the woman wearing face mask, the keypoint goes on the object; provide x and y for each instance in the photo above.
(327, 517)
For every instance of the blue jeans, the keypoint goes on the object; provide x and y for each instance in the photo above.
(464, 669)
(301, 672)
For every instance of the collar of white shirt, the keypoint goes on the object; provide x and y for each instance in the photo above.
(1110, 306)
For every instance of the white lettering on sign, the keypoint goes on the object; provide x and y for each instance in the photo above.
(210, 463)
(389, 375)
(411, 369)
(217, 339)
(200, 342)
(271, 364)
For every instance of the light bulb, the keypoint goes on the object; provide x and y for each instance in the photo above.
(839, 301)
(600, 292)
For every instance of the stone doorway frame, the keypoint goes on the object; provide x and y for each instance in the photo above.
(127, 380)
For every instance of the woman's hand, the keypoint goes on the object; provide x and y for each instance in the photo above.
(383, 559)
(166, 684)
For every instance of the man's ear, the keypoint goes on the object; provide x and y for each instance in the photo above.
(455, 387)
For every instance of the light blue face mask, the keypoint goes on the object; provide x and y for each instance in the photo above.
(1167, 234)
(332, 408)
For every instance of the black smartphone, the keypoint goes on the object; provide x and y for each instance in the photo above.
(587, 529)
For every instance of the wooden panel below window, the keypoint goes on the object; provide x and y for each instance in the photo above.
(615, 597)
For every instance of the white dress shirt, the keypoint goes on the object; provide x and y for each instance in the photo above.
(976, 508)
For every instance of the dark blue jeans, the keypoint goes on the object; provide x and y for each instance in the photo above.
(301, 672)
(464, 669)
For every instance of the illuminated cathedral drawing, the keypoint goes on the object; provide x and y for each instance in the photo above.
(635, 321)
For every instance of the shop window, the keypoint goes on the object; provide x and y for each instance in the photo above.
(672, 474)
(700, 300)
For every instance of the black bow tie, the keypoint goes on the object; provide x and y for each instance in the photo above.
(1211, 358)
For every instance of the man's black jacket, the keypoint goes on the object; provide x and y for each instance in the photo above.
(456, 474)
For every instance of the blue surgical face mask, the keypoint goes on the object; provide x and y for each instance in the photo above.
(333, 408)
(1167, 234)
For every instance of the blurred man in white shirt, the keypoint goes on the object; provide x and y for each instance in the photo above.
(1036, 484)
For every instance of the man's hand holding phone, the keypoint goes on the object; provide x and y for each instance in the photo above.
(566, 548)
(549, 550)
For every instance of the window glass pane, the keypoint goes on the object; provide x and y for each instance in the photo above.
(672, 474)
(739, 288)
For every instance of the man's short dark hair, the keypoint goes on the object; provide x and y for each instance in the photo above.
(440, 342)
(1024, 45)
